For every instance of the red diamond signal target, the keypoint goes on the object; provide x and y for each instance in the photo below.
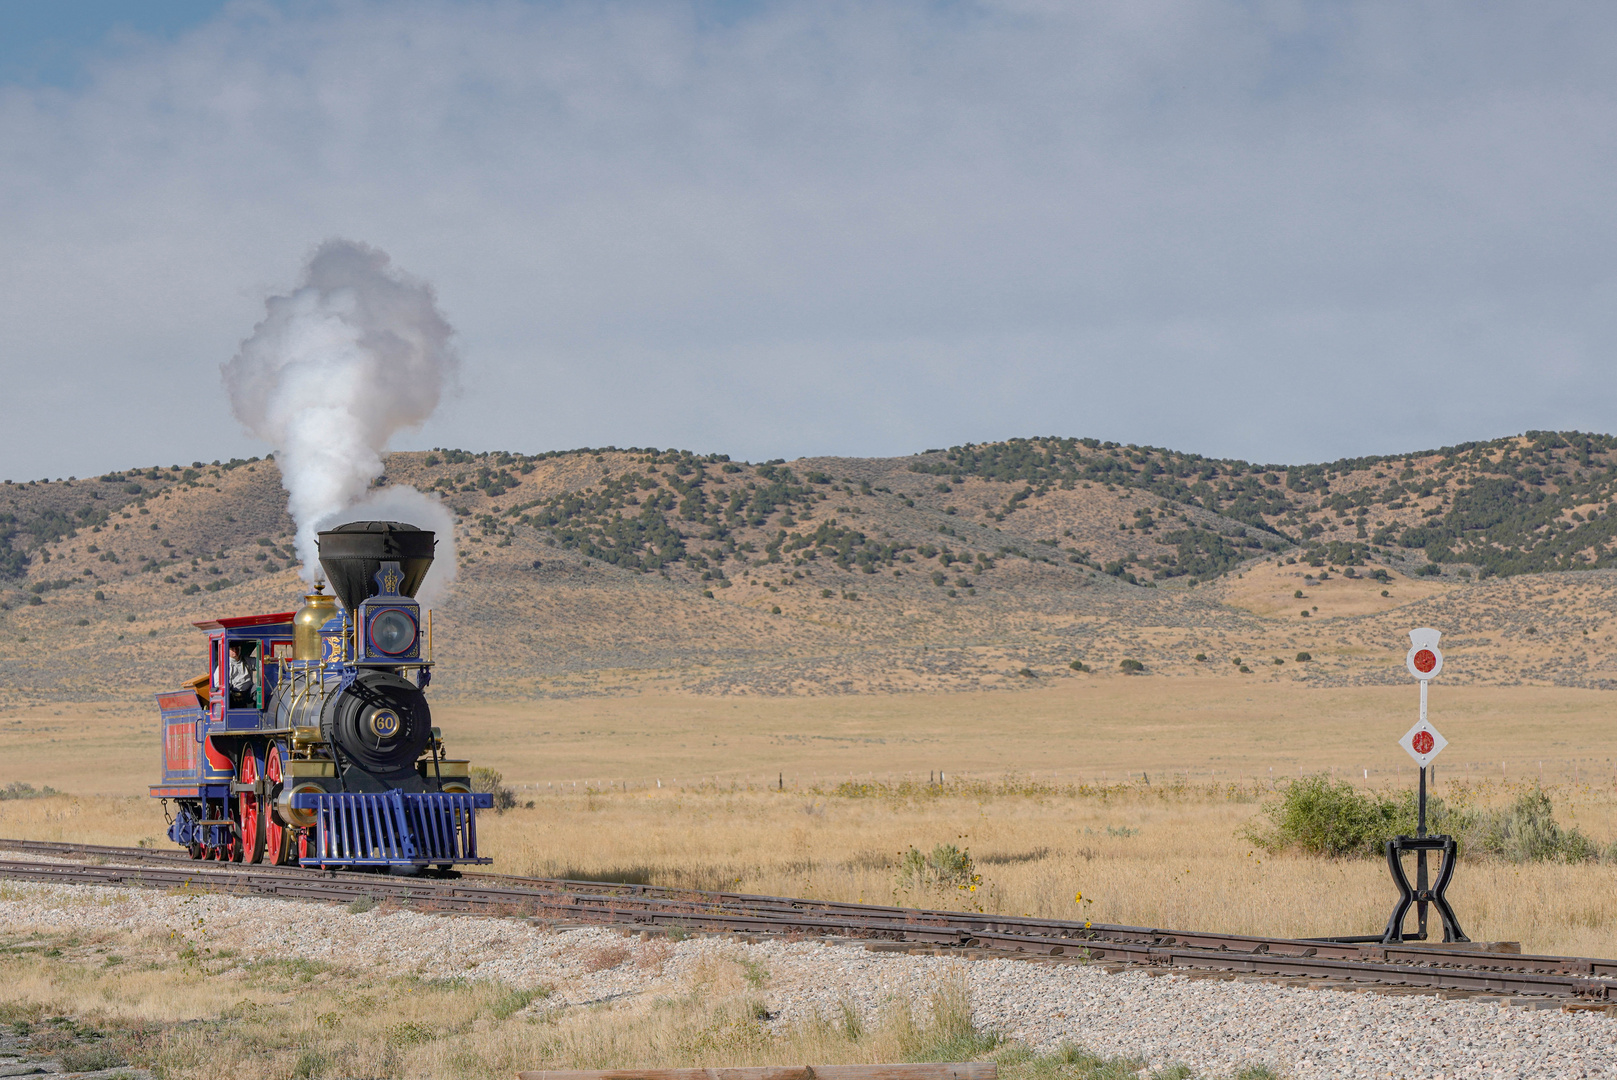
(1423, 742)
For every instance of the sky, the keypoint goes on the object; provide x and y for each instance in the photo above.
(1282, 231)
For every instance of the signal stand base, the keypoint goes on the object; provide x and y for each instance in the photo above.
(1419, 894)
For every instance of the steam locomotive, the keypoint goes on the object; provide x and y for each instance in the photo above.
(321, 750)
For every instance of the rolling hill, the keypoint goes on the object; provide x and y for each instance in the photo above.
(615, 571)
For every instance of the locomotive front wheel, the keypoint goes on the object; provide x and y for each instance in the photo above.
(277, 837)
(194, 850)
(251, 807)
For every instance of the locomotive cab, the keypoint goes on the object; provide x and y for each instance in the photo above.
(323, 752)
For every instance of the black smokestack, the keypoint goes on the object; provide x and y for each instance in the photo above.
(352, 554)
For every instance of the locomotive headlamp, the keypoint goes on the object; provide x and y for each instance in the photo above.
(392, 631)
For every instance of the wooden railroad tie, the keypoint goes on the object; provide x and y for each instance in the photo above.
(968, 1070)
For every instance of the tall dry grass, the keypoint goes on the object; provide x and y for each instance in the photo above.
(1165, 855)
(1171, 856)
(107, 1001)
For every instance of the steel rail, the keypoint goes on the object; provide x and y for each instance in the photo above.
(958, 922)
(932, 925)
(652, 906)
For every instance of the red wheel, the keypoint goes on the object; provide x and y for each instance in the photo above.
(250, 810)
(278, 847)
(194, 850)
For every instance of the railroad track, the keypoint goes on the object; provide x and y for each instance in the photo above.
(1474, 969)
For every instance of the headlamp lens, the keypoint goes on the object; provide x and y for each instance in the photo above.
(392, 631)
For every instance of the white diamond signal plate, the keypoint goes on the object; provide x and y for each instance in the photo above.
(1423, 742)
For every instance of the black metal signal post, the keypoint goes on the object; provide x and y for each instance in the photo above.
(1422, 893)
(1423, 742)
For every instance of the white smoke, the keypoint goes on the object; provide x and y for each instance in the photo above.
(358, 352)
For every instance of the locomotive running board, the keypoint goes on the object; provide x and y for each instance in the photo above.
(392, 828)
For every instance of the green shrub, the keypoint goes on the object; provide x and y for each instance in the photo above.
(1525, 831)
(1131, 666)
(19, 790)
(489, 781)
(1317, 817)
(1303, 657)
(946, 867)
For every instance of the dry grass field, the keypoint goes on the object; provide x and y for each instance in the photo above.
(1097, 729)
(1132, 791)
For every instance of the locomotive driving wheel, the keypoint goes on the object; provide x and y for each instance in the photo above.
(251, 807)
(278, 839)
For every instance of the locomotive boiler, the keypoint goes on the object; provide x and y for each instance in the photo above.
(309, 739)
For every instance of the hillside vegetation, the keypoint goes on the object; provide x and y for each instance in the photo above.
(599, 570)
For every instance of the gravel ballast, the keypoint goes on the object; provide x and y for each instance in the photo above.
(1213, 1026)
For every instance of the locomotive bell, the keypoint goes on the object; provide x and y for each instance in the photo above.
(352, 554)
(317, 608)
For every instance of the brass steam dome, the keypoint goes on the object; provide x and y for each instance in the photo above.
(318, 607)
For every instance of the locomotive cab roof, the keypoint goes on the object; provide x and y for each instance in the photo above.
(245, 622)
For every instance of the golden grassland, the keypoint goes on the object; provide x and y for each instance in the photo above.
(1099, 729)
(1134, 792)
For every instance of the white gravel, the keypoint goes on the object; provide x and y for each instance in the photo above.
(1214, 1026)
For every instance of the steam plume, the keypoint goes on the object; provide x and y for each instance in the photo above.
(358, 352)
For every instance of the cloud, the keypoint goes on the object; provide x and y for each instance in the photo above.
(1280, 230)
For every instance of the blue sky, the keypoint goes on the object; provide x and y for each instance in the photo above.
(43, 42)
(1281, 230)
